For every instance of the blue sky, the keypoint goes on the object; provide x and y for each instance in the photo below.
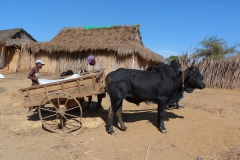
(167, 27)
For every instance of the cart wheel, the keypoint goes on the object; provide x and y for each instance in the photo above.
(60, 112)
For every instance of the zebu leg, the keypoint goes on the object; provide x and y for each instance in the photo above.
(177, 105)
(119, 117)
(110, 121)
(115, 105)
(109, 126)
(161, 115)
(158, 118)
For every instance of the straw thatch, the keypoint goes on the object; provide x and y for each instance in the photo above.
(14, 37)
(13, 57)
(123, 40)
(113, 47)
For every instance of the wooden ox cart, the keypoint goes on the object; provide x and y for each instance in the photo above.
(59, 103)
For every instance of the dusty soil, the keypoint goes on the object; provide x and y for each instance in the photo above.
(206, 127)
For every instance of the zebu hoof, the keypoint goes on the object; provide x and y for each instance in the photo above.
(164, 131)
(124, 129)
(111, 131)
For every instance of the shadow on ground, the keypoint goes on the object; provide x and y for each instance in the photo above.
(146, 114)
(127, 115)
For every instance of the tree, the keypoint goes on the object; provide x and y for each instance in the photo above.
(215, 48)
(169, 59)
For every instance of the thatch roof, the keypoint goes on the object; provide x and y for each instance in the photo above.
(15, 37)
(124, 40)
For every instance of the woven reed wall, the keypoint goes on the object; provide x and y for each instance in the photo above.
(224, 73)
(11, 59)
(61, 61)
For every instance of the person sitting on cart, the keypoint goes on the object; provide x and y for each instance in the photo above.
(96, 66)
(34, 74)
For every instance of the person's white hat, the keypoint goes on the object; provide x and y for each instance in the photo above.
(40, 61)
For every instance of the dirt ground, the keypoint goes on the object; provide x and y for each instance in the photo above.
(206, 127)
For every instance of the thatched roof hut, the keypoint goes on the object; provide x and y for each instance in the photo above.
(14, 37)
(113, 47)
(12, 42)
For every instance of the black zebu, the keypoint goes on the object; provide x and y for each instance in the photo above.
(163, 86)
(175, 65)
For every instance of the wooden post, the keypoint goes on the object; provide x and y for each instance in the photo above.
(95, 84)
(46, 90)
(2, 55)
(79, 86)
(63, 87)
(29, 96)
(133, 61)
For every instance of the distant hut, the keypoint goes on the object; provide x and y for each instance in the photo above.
(113, 47)
(12, 44)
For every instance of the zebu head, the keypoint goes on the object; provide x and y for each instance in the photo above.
(194, 79)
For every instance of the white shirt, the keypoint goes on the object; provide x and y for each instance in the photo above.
(96, 67)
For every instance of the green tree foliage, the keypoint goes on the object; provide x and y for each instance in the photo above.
(215, 48)
(169, 59)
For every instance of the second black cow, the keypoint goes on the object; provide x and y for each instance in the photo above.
(176, 66)
(163, 85)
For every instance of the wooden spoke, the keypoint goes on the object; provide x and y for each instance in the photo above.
(48, 110)
(71, 115)
(68, 120)
(66, 103)
(49, 116)
(52, 104)
(73, 108)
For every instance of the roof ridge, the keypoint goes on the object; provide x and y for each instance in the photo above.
(100, 27)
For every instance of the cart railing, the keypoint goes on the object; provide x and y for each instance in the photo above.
(90, 83)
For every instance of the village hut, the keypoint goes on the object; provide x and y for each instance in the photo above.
(12, 53)
(112, 46)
